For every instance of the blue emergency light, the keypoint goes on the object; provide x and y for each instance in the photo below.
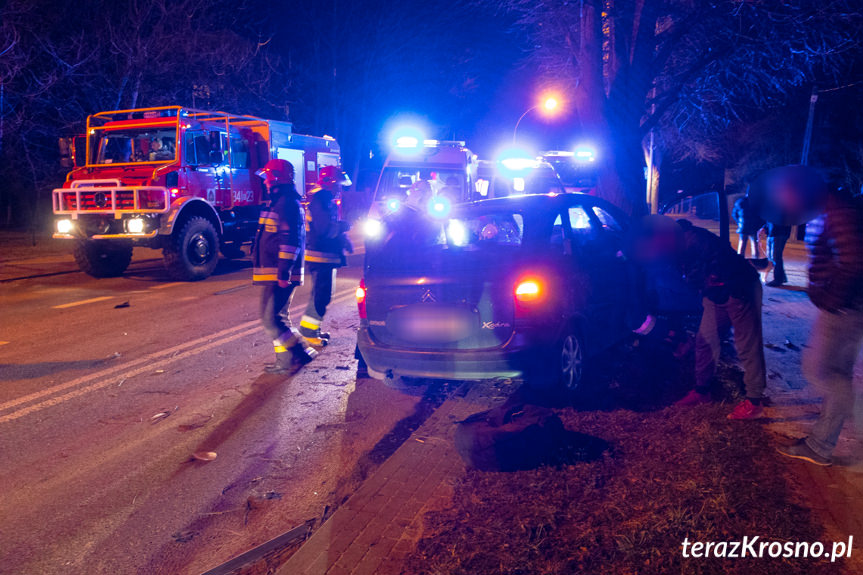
(393, 205)
(439, 207)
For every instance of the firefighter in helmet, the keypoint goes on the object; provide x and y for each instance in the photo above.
(327, 244)
(277, 256)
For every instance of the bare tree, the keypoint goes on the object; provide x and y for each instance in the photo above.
(690, 66)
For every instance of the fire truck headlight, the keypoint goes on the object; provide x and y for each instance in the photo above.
(135, 225)
(65, 226)
(373, 228)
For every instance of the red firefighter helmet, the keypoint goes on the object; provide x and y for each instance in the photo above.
(277, 172)
(332, 175)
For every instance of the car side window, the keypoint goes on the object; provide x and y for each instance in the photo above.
(239, 153)
(607, 220)
(583, 230)
(558, 232)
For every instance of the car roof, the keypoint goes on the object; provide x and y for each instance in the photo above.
(541, 202)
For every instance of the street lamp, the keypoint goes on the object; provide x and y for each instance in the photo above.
(550, 104)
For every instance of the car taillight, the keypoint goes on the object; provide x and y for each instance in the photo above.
(528, 290)
(361, 299)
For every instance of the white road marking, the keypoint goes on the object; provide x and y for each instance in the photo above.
(152, 361)
(126, 375)
(82, 302)
(163, 286)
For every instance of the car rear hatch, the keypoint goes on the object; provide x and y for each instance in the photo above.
(438, 298)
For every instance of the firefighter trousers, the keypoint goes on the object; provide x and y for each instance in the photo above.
(323, 278)
(275, 303)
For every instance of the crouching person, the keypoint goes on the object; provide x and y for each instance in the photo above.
(278, 265)
(731, 294)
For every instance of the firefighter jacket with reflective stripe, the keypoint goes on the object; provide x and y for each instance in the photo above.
(325, 233)
(280, 241)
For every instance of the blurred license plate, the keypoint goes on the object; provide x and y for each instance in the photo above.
(434, 325)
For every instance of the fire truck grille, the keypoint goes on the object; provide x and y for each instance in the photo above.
(91, 201)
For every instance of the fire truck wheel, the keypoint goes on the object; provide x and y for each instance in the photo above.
(103, 259)
(192, 251)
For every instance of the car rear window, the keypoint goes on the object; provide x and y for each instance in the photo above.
(493, 229)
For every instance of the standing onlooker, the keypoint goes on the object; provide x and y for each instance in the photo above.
(277, 256)
(748, 225)
(777, 237)
(731, 294)
(836, 289)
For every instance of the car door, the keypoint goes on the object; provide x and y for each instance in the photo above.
(200, 175)
(628, 308)
(596, 275)
(708, 210)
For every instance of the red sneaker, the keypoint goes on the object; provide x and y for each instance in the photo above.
(746, 410)
(692, 398)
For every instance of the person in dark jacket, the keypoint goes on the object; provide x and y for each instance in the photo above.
(327, 243)
(836, 289)
(748, 225)
(731, 293)
(777, 237)
(277, 256)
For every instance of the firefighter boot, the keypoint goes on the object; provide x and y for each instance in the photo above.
(310, 328)
(302, 354)
(285, 362)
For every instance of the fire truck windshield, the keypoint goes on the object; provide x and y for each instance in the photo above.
(395, 183)
(134, 145)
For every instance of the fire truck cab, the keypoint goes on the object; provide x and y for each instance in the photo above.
(178, 179)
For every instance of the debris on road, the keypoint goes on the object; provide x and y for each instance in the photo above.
(159, 416)
(198, 420)
(791, 346)
(163, 414)
(184, 536)
(122, 305)
(159, 371)
(775, 347)
(205, 455)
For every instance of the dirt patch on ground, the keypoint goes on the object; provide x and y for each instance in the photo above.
(668, 474)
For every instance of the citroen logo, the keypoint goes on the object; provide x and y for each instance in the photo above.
(100, 199)
(428, 297)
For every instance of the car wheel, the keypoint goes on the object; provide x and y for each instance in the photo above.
(571, 362)
(192, 251)
(103, 259)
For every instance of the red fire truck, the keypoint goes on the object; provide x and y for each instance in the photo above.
(176, 179)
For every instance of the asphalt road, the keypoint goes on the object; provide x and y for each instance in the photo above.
(102, 405)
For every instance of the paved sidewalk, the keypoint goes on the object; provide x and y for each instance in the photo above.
(835, 493)
(379, 525)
